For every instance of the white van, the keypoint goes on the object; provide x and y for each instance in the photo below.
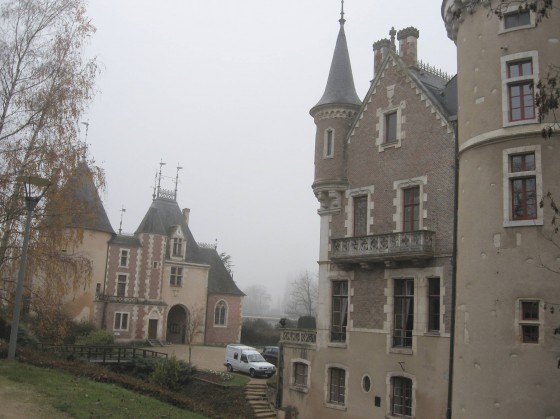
(247, 359)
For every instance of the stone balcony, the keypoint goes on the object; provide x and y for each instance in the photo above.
(384, 248)
(298, 337)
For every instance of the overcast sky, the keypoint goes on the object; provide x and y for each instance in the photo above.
(223, 88)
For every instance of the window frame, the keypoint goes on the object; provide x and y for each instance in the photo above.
(121, 285)
(221, 313)
(336, 390)
(513, 9)
(123, 317)
(124, 254)
(523, 323)
(510, 176)
(415, 206)
(177, 249)
(176, 276)
(434, 300)
(521, 80)
(390, 128)
(406, 386)
(382, 113)
(294, 384)
(400, 186)
(338, 332)
(406, 334)
(360, 218)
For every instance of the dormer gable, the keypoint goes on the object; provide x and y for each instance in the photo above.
(177, 242)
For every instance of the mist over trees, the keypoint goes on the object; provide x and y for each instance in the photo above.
(302, 295)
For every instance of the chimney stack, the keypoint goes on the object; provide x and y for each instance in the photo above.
(408, 45)
(186, 213)
(380, 51)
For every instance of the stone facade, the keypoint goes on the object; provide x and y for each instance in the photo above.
(507, 347)
(361, 362)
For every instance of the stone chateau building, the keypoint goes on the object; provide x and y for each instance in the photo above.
(403, 330)
(148, 285)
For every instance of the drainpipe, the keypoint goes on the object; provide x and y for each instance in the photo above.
(280, 370)
(449, 412)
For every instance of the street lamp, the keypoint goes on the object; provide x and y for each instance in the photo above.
(35, 188)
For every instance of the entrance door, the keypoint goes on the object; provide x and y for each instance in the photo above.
(152, 328)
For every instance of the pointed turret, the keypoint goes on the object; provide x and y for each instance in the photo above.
(340, 87)
(81, 196)
(333, 116)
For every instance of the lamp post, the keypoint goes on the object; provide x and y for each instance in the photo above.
(35, 188)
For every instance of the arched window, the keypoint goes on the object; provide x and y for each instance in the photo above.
(220, 313)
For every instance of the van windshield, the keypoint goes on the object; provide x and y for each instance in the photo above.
(256, 358)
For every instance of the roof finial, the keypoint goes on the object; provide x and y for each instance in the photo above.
(392, 33)
(342, 14)
(161, 164)
(123, 210)
(177, 180)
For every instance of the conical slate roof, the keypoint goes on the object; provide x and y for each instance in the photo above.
(80, 193)
(340, 84)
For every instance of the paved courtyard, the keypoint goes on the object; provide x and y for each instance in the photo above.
(203, 357)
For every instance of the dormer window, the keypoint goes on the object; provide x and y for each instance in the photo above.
(177, 249)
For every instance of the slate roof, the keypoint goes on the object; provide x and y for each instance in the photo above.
(160, 219)
(88, 212)
(340, 87)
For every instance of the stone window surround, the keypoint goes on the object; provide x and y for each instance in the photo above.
(119, 274)
(507, 176)
(506, 81)
(381, 117)
(398, 186)
(389, 393)
(421, 289)
(518, 322)
(226, 315)
(326, 386)
(512, 8)
(350, 194)
(293, 385)
(325, 143)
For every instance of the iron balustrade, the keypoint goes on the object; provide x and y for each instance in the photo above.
(104, 353)
(300, 336)
(377, 248)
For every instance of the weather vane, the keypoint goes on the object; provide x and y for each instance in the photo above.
(342, 11)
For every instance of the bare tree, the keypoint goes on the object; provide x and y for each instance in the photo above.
(45, 87)
(193, 326)
(257, 300)
(303, 295)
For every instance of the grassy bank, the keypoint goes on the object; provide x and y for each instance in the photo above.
(51, 393)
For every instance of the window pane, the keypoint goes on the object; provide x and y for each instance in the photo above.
(530, 310)
(515, 19)
(391, 128)
(527, 68)
(530, 333)
(360, 216)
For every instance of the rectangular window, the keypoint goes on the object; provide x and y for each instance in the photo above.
(523, 188)
(337, 389)
(177, 247)
(123, 262)
(391, 127)
(176, 277)
(433, 304)
(517, 18)
(98, 288)
(520, 90)
(121, 285)
(329, 143)
(339, 311)
(403, 322)
(411, 209)
(360, 216)
(401, 403)
(300, 374)
(121, 321)
(530, 322)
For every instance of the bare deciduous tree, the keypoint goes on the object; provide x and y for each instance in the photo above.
(193, 326)
(303, 295)
(257, 300)
(45, 87)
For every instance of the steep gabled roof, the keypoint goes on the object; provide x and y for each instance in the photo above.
(441, 93)
(87, 209)
(163, 216)
(340, 87)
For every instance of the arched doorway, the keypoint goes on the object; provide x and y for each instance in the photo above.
(177, 324)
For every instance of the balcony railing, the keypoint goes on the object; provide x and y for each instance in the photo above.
(298, 336)
(384, 247)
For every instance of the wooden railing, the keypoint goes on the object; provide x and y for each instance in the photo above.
(104, 354)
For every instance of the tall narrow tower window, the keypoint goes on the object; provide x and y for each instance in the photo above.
(391, 127)
(523, 188)
(411, 209)
(360, 216)
(520, 90)
(329, 143)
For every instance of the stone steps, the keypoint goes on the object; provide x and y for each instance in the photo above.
(256, 396)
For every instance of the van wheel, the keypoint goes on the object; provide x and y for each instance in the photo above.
(252, 372)
(229, 368)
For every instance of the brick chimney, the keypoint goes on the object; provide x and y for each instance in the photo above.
(380, 51)
(186, 213)
(408, 43)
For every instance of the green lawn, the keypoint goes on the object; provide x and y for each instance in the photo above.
(53, 392)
